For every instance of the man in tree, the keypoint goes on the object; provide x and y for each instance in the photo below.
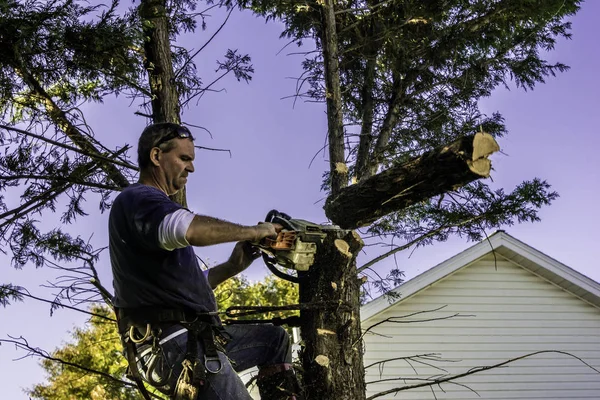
(165, 305)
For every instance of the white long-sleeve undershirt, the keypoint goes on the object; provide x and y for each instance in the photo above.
(173, 228)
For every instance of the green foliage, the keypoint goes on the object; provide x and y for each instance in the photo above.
(97, 347)
(272, 291)
(412, 73)
(432, 61)
(9, 292)
(467, 212)
(55, 56)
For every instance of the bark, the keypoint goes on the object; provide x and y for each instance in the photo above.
(159, 64)
(335, 123)
(368, 101)
(389, 122)
(435, 172)
(332, 356)
(368, 108)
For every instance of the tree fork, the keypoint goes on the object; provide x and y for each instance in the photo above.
(332, 355)
(437, 171)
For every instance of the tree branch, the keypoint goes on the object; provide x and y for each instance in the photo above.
(189, 60)
(333, 95)
(61, 179)
(475, 370)
(21, 343)
(93, 155)
(56, 304)
(437, 171)
(60, 119)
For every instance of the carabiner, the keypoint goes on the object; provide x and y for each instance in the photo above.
(151, 365)
(143, 339)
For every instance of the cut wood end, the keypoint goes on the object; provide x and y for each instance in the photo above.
(484, 144)
(341, 168)
(325, 332)
(322, 360)
(357, 237)
(481, 167)
(343, 247)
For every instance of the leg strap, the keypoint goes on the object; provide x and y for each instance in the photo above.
(193, 376)
(133, 369)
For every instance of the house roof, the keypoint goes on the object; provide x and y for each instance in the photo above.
(507, 247)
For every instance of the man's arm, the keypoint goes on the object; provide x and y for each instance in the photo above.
(206, 231)
(242, 256)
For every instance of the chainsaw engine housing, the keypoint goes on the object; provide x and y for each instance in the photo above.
(297, 244)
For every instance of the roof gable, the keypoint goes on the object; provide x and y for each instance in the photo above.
(508, 247)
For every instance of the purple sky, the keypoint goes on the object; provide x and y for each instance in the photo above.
(552, 135)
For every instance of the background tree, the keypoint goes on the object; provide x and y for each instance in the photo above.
(401, 80)
(56, 58)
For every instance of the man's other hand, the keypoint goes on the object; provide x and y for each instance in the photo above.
(243, 254)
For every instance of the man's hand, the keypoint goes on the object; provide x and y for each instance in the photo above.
(243, 254)
(267, 230)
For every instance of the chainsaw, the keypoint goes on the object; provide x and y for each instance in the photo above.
(295, 246)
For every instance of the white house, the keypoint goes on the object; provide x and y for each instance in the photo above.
(495, 301)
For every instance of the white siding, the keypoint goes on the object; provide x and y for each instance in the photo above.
(505, 312)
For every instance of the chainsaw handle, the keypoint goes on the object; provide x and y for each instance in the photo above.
(276, 217)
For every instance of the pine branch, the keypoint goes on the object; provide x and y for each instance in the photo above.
(398, 319)
(426, 356)
(59, 118)
(54, 303)
(60, 179)
(93, 155)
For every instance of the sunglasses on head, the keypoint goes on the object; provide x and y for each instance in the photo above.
(180, 132)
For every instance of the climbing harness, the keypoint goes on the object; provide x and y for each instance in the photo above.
(141, 326)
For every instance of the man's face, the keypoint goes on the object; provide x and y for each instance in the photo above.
(176, 164)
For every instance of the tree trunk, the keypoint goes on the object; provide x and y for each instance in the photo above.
(159, 64)
(333, 95)
(332, 355)
(435, 172)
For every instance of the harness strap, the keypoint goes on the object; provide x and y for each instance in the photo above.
(133, 369)
(200, 327)
(128, 317)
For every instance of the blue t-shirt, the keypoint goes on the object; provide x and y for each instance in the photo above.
(145, 275)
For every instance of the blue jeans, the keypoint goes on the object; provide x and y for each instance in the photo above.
(250, 345)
